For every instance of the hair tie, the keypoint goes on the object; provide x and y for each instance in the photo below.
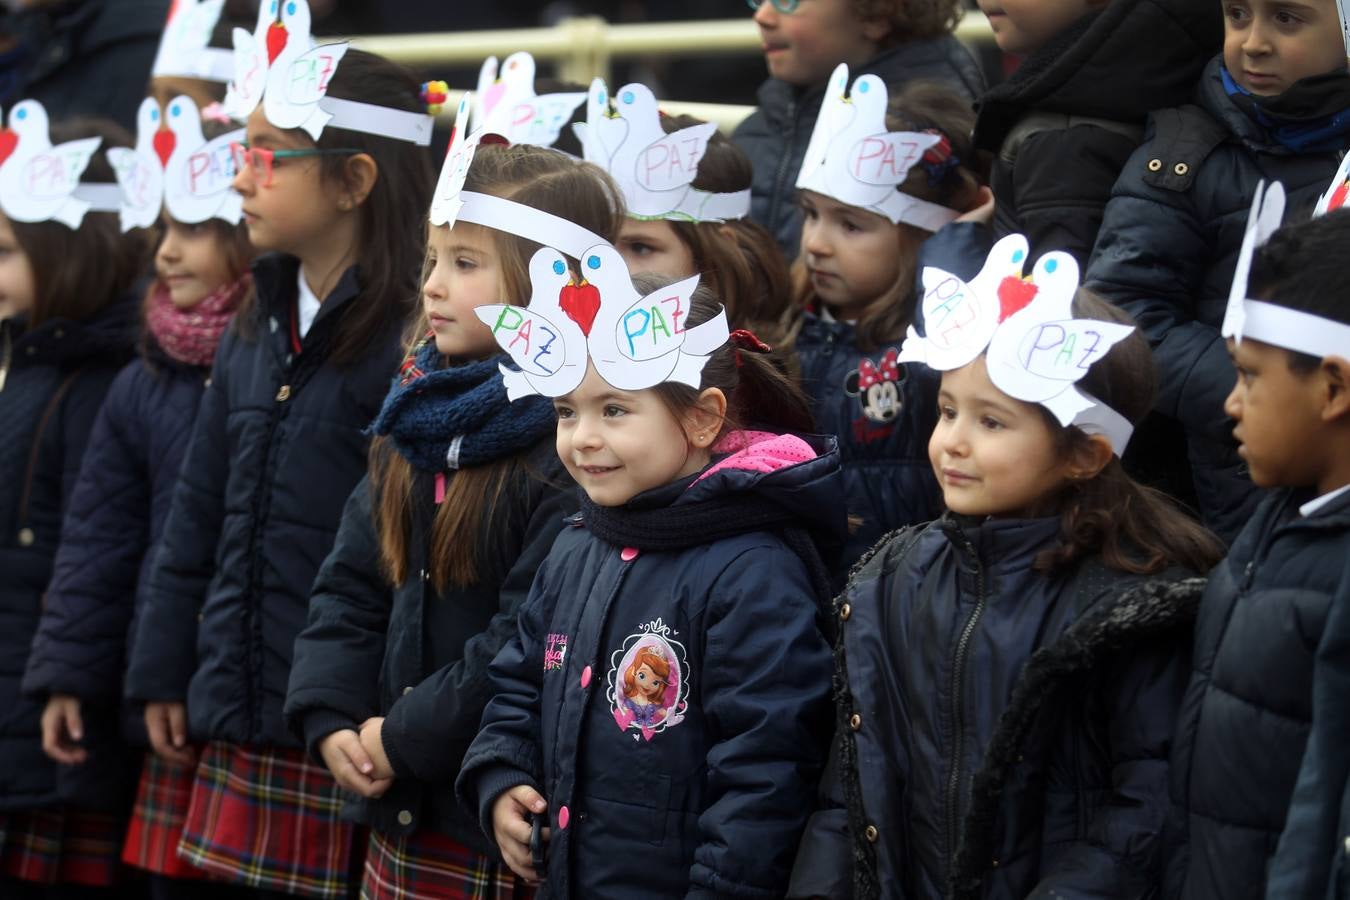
(215, 112)
(744, 339)
(434, 94)
(938, 161)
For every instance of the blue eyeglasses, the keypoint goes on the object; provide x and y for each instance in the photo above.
(783, 6)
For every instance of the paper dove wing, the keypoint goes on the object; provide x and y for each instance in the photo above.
(197, 181)
(540, 120)
(487, 77)
(542, 339)
(1336, 192)
(672, 161)
(446, 202)
(250, 64)
(884, 160)
(834, 117)
(140, 171)
(49, 179)
(1263, 221)
(295, 87)
(1042, 359)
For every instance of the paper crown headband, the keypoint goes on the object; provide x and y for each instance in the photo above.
(1269, 322)
(175, 166)
(184, 50)
(634, 341)
(654, 170)
(1035, 350)
(279, 66)
(853, 158)
(507, 104)
(40, 182)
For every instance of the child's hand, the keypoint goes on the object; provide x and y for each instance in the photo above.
(351, 766)
(372, 739)
(511, 827)
(167, 725)
(983, 212)
(62, 730)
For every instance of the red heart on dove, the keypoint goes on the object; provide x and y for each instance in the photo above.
(1338, 198)
(164, 141)
(276, 41)
(8, 141)
(581, 302)
(1013, 294)
(493, 95)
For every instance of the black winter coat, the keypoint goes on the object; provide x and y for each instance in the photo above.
(882, 430)
(1166, 255)
(776, 134)
(1063, 125)
(276, 450)
(114, 523)
(1002, 734)
(416, 657)
(1245, 721)
(706, 796)
(55, 378)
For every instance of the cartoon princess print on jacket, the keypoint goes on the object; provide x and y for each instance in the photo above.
(648, 685)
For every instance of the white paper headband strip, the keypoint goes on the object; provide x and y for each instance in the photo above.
(634, 341)
(184, 51)
(654, 170)
(1035, 350)
(527, 222)
(1343, 12)
(506, 103)
(1296, 330)
(853, 158)
(353, 115)
(101, 196)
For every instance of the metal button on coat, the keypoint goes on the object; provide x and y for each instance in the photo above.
(1155, 165)
(844, 612)
(26, 537)
(284, 394)
(404, 817)
(407, 690)
(855, 721)
(871, 834)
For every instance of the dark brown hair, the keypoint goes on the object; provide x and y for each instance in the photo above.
(739, 260)
(911, 20)
(1134, 528)
(918, 106)
(758, 389)
(77, 272)
(548, 181)
(1300, 267)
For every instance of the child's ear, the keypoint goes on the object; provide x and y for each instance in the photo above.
(876, 29)
(703, 421)
(1336, 374)
(359, 177)
(1088, 457)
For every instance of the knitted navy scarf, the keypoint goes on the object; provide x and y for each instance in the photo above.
(1312, 116)
(453, 417)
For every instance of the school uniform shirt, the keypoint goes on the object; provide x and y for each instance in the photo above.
(672, 706)
(276, 449)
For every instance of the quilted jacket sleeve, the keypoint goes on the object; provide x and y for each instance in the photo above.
(824, 860)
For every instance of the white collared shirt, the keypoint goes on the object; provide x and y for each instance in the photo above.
(1313, 506)
(308, 305)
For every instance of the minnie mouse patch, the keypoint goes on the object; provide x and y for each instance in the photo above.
(648, 681)
(877, 387)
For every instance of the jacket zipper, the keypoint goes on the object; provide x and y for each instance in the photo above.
(958, 691)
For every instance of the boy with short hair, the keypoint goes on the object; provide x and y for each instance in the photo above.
(1249, 707)
(804, 40)
(1275, 104)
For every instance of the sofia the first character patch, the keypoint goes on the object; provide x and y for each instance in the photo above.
(648, 681)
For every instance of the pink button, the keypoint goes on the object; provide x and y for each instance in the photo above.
(563, 817)
(586, 677)
(629, 554)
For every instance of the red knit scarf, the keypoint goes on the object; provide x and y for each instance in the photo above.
(191, 335)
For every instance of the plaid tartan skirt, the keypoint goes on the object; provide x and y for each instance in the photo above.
(267, 818)
(157, 819)
(61, 846)
(425, 866)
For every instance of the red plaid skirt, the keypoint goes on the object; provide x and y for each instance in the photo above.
(157, 819)
(267, 819)
(61, 846)
(428, 866)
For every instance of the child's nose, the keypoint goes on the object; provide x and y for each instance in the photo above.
(1258, 41)
(766, 16)
(814, 242)
(243, 182)
(1232, 404)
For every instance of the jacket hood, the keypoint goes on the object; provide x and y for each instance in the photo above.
(998, 543)
(1097, 67)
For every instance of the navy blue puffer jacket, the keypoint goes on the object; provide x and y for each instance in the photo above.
(114, 523)
(55, 378)
(1169, 242)
(883, 429)
(1247, 713)
(276, 450)
(702, 788)
(1002, 733)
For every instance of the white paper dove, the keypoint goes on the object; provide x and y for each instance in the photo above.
(40, 182)
(544, 339)
(140, 169)
(184, 49)
(1034, 348)
(655, 170)
(446, 200)
(507, 104)
(852, 157)
(1337, 192)
(1266, 214)
(251, 62)
(197, 179)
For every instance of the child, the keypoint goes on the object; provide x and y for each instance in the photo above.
(431, 566)
(1064, 123)
(119, 504)
(660, 714)
(67, 325)
(1011, 673)
(1249, 707)
(277, 446)
(804, 41)
(855, 286)
(685, 220)
(1274, 105)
